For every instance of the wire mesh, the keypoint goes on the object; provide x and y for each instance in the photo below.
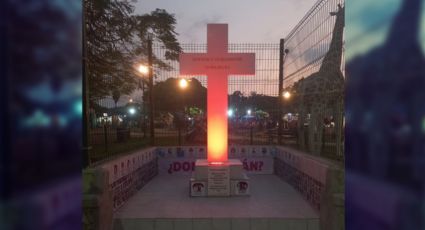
(120, 122)
(314, 115)
(252, 99)
(309, 41)
(264, 81)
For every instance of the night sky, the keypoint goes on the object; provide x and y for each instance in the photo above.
(250, 21)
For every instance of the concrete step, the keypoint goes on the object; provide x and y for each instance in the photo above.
(164, 203)
(216, 224)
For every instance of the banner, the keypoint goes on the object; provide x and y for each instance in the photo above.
(185, 166)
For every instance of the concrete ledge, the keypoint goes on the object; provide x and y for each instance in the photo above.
(109, 185)
(127, 164)
(97, 200)
(129, 173)
(319, 180)
(216, 224)
(314, 166)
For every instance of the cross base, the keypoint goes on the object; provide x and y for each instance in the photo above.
(219, 179)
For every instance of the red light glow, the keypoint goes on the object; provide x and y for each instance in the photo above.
(217, 64)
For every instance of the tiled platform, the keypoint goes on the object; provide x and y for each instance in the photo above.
(164, 203)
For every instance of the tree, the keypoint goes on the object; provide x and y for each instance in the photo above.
(169, 97)
(116, 39)
(253, 101)
(116, 96)
(236, 98)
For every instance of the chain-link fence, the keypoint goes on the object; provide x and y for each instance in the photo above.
(314, 81)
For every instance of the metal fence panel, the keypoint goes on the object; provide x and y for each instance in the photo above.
(311, 119)
(314, 75)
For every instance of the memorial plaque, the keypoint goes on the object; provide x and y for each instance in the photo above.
(219, 180)
(198, 188)
(240, 187)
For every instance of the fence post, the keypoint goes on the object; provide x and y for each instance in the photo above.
(279, 96)
(86, 107)
(251, 135)
(151, 110)
(105, 133)
(180, 134)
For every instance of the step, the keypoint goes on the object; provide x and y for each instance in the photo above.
(164, 203)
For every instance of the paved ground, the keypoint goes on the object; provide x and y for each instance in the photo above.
(165, 200)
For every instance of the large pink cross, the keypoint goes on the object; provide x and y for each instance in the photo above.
(217, 64)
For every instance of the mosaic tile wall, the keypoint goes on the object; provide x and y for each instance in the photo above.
(305, 174)
(130, 173)
(128, 185)
(235, 151)
(257, 159)
(310, 188)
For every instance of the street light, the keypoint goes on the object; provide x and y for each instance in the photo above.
(248, 112)
(183, 83)
(230, 112)
(105, 118)
(132, 111)
(286, 95)
(143, 69)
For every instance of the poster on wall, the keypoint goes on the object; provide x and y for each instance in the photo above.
(252, 165)
(181, 160)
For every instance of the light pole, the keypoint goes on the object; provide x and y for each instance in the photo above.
(144, 71)
(148, 70)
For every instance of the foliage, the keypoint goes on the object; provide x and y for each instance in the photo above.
(168, 96)
(261, 114)
(255, 101)
(116, 94)
(194, 111)
(116, 39)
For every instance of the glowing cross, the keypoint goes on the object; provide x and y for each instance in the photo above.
(217, 64)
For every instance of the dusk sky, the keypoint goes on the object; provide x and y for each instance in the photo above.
(250, 21)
